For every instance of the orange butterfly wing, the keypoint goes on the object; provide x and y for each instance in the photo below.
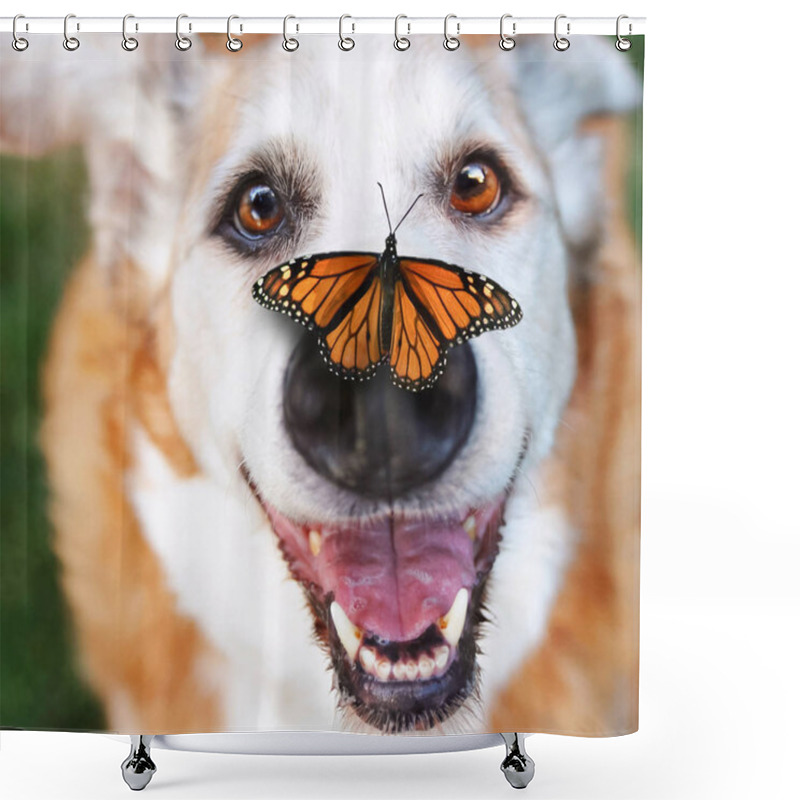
(438, 305)
(338, 297)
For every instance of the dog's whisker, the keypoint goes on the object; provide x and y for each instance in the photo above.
(234, 478)
(564, 424)
(530, 481)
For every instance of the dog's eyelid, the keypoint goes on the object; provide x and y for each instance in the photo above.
(473, 148)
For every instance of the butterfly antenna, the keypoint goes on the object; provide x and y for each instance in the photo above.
(385, 207)
(407, 213)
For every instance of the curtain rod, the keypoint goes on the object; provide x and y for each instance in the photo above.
(301, 25)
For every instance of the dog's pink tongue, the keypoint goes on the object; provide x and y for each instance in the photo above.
(393, 580)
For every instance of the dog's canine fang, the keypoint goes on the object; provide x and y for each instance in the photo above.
(424, 666)
(349, 635)
(452, 623)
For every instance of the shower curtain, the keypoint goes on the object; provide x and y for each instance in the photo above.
(320, 384)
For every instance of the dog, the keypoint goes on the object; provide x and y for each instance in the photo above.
(247, 541)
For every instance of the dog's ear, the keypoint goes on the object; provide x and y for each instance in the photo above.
(127, 111)
(560, 92)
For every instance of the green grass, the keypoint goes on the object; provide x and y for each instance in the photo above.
(636, 56)
(42, 234)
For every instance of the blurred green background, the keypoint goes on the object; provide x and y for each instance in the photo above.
(42, 234)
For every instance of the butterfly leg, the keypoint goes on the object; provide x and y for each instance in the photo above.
(138, 768)
(517, 766)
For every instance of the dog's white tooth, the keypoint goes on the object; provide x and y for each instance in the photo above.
(349, 635)
(452, 623)
(471, 527)
(412, 670)
(440, 656)
(314, 542)
(367, 656)
(399, 671)
(383, 669)
(426, 666)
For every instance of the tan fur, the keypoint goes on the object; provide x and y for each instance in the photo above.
(149, 664)
(583, 678)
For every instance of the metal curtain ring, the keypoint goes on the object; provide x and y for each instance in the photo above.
(561, 43)
(507, 42)
(18, 43)
(622, 44)
(71, 43)
(233, 44)
(289, 43)
(129, 43)
(451, 42)
(401, 42)
(182, 42)
(345, 42)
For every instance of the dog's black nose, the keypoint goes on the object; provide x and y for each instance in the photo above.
(372, 437)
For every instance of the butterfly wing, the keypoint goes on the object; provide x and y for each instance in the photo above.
(438, 305)
(338, 297)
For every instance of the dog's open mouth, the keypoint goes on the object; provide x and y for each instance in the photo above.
(398, 603)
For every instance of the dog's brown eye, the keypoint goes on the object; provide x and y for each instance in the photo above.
(476, 189)
(259, 211)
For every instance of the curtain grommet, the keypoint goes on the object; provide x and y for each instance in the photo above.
(19, 43)
(71, 43)
(346, 43)
(401, 43)
(451, 43)
(129, 43)
(561, 43)
(289, 44)
(233, 44)
(507, 42)
(182, 43)
(622, 44)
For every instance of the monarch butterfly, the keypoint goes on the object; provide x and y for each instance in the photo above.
(367, 308)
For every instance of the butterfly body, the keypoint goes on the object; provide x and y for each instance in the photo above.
(388, 274)
(369, 308)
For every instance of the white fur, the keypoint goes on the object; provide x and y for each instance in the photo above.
(542, 540)
(225, 569)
